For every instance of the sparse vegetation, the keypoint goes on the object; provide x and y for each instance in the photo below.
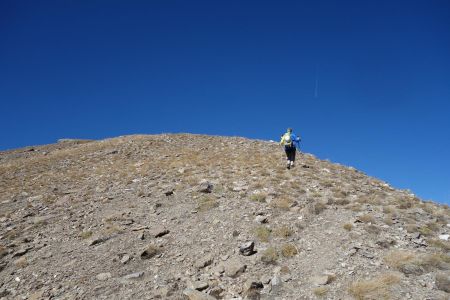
(205, 203)
(258, 197)
(262, 233)
(86, 234)
(348, 226)
(269, 255)
(375, 288)
(320, 291)
(288, 250)
(283, 203)
(367, 218)
(283, 231)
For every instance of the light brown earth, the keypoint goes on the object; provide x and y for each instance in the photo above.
(163, 216)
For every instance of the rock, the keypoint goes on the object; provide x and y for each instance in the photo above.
(265, 279)
(196, 295)
(159, 231)
(126, 258)
(276, 281)
(103, 276)
(247, 248)
(443, 281)
(234, 267)
(201, 285)
(168, 191)
(149, 252)
(134, 275)
(411, 269)
(252, 289)
(204, 187)
(322, 279)
(204, 261)
(261, 219)
(21, 252)
(444, 237)
(97, 240)
(3, 265)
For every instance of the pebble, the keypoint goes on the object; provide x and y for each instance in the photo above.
(103, 276)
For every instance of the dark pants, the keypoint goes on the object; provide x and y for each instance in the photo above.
(290, 152)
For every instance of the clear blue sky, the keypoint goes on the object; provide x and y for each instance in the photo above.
(95, 69)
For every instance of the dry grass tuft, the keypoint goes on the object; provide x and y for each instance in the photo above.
(376, 288)
(283, 231)
(86, 234)
(289, 250)
(348, 226)
(206, 203)
(269, 256)
(283, 203)
(398, 258)
(262, 233)
(320, 291)
(367, 218)
(258, 197)
(444, 245)
(21, 262)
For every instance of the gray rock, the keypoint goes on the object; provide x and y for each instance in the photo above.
(234, 267)
(322, 279)
(97, 240)
(103, 276)
(126, 258)
(247, 248)
(411, 269)
(159, 231)
(443, 281)
(150, 252)
(204, 187)
(265, 279)
(261, 219)
(196, 295)
(201, 285)
(204, 261)
(134, 275)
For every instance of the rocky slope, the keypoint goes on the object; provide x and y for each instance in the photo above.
(201, 217)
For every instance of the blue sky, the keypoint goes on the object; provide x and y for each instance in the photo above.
(365, 83)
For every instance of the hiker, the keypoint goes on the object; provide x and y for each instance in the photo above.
(290, 142)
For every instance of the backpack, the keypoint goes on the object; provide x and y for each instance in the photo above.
(287, 139)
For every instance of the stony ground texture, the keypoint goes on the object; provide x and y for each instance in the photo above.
(202, 217)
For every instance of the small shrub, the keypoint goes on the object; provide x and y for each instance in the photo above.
(288, 250)
(444, 245)
(356, 207)
(283, 203)
(404, 203)
(376, 288)
(258, 197)
(21, 262)
(339, 201)
(86, 234)
(317, 208)
(388, 209)
(320, 291)
(411, 228)
(425, 230)
(206, 203)
(262, 233)
(398, 258)
(372, 229)
(348, 226)
(283, 231)
(269, 256)
(367, 218)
